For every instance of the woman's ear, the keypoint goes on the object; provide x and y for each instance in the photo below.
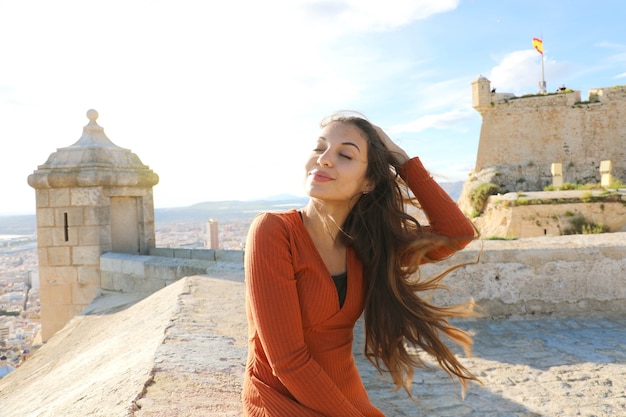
(368, 186)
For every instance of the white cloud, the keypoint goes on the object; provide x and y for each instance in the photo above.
(441, 121)
(519, 72)
(375, 15)
(516, 72)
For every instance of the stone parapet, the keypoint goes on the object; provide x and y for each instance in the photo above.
(146, 274)
(540, 100)
(200, 254)
(566, 275)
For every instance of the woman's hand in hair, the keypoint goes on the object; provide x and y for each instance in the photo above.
(398, 152)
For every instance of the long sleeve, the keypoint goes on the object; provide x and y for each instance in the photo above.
(444, 215)
(274, 308)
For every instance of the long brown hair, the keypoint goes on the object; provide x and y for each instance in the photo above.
(391, 245)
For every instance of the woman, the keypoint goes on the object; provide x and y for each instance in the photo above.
(311, 273)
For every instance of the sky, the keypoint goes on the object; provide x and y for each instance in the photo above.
(223, 99)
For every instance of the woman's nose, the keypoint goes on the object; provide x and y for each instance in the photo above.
(324, 159)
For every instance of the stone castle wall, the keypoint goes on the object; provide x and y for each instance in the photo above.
(522, 137)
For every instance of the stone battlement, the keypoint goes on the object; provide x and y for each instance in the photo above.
(521, 137)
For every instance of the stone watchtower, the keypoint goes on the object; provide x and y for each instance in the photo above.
(92, 197)
(481, 94)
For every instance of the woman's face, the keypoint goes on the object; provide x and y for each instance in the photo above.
(335, 170)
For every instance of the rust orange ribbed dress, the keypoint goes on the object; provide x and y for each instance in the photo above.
(300, 361)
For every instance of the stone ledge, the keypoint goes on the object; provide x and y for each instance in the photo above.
(563, 275)
(143, 274)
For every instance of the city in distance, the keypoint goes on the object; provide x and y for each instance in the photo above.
(221, 211)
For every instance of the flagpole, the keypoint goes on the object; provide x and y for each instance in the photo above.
(544, 90)
(543, 79)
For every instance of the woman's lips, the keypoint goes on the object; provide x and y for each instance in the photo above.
(320, 176)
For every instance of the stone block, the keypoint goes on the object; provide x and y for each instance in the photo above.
(606, 167)
(42, 198)
(124, 283)
(82, 295)
(74, 216)
(89, 235)
(182, 253)
(45, 296)
(203, 254)
(61, 275)
(229, 256)
(45, 217)
(89, 275)
(606, 180)
(149, 285)
(86, 196)
(59, 256)
(42, 257)
(96, 216)
(50, 327)
(86, 255)
(165, 271)
(189, 269)
(165, 252)
(75, 309)
(59, 236)
(107, 280)
(61, 295)
(112, 262)
(135, 265)
(44, 236)
(59, 197)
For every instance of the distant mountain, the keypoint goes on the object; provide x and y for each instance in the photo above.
(233, 210)
(227, 210)
(18, 225)
(453, 189)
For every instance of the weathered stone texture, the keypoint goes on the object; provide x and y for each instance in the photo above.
(501, 219)
(74, 189)
(526, 135)
(574, 275)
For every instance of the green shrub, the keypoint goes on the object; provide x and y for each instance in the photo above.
(479, 195)
(522, 201)
(579, 225)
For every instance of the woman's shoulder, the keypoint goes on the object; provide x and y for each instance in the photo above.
(272, 220)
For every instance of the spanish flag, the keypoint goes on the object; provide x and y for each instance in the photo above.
(538, 45)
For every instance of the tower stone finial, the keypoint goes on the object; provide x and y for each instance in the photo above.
(93, 134)
(92, 115)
